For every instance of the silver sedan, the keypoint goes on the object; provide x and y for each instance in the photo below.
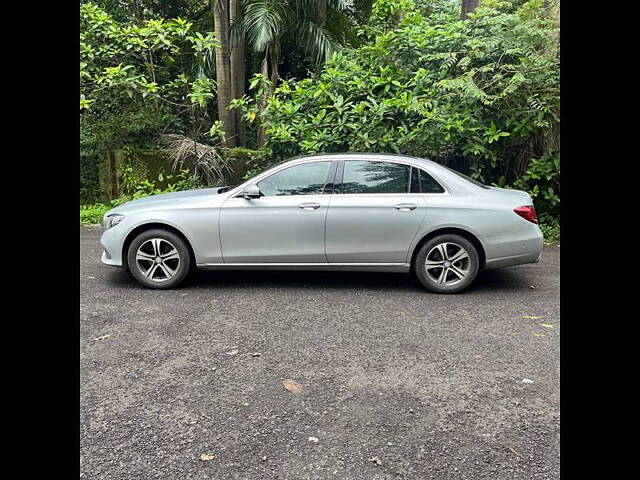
(366, 212)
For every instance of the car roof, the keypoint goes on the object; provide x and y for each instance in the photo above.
(364, 156)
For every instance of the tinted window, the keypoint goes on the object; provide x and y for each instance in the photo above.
(415, 180)
(375, 177)
(428, 184)
(305, 179)
(422, 182)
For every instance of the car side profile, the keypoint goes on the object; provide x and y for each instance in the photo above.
(351, 211)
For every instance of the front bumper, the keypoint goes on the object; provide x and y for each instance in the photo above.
(109, 261)
(112, 241)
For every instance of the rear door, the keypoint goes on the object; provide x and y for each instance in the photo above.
(373, 217)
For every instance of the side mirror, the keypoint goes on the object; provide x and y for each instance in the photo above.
(252, 191)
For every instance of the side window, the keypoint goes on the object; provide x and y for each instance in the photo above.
(375, 177)
(305, 179)
(422, 182)
(428, 184)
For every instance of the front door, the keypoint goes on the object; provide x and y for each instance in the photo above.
(373, 218)
(285, 225)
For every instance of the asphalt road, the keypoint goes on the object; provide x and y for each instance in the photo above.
(396, 382)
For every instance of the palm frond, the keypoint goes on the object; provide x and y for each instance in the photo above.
(316, 40)
(206, 159)
(341, 4)
(310, 6)
(264, 21)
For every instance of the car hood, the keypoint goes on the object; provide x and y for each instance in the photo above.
(181, 198)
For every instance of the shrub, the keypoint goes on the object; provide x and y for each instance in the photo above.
(92, 214)
(486, 89)
(542, 181)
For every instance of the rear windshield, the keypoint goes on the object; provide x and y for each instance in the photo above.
(475, 182)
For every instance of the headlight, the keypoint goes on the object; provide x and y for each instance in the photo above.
(112, 220)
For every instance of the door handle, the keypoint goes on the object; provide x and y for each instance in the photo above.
(406, 207)
(309, 206)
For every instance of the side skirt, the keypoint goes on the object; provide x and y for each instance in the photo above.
(345, 267)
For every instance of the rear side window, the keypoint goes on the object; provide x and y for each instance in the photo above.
(422, 182)
(375, 177)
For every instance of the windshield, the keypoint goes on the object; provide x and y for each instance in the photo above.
(475, 182)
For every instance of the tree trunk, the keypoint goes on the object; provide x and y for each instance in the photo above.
(274, 57)
(113, 175)
(321, 12)
(468, 6)
(223, 69)
(264, 69)
(237, 70)
(270, 70)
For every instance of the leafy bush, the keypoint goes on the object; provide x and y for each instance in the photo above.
(92, 214)
(135, 183)
(114, 124)
(551, 231)
(436, 87)
(542, 181)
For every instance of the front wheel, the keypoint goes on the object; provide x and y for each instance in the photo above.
(159, 259)
(447, 264)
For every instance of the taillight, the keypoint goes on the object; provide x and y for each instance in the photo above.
(528, 212)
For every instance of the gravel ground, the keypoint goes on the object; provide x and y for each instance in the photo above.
(395, 382)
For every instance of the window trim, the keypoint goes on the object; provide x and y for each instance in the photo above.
(340, 177)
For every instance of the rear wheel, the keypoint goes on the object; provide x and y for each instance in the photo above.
(159, 259)
(447, 264)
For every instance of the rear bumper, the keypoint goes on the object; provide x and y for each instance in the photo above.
(516, 248)
(513, 260)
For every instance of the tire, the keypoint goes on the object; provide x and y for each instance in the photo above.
(463, 260)
(170, 270)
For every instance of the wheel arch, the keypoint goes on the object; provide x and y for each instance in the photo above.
(454, 231)
(150, 226)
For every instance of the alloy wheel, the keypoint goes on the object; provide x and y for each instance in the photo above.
(447, 264)
(158, 259)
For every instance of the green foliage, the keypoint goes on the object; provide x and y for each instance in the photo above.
(145, 60)
(135, 181)
(550, 231)
(92, 214)
(267, 24)
(542, 181)
(138, 79)
(243, 152)
(202, 91)
(436, 87)
(115, 124)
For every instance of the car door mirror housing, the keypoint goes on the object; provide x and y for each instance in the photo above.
(252, 191)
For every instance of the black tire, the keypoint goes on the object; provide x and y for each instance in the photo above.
(431, 278)
(162, 239)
